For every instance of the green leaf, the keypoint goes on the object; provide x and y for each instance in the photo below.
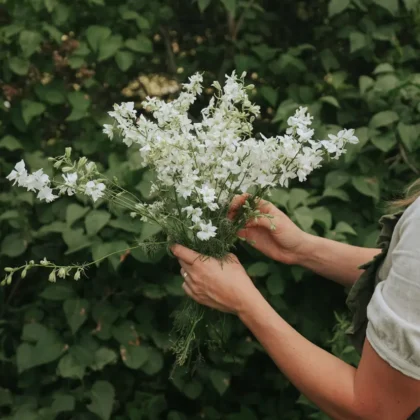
(276, 284)
(390, 5)
(48, 347)
(154, 363)
(367, 186)
(220, 380)
(140, 44)
(19, 65)
(343, 227)
(409, 135)
(96, 34)
(336, 193)
(336, 179)
(134, 357)
(13, 245)
(102, 395)
(50, 5)
(29, 42)
(79, 100)
(31, 109)
(124, 60)
(76, 312)
(297, 196)
(336, 7)
(75, 240)
(230, 6)
(358, 41)
(384, 68)
(383, 118)
(95, 221)
(104, 356)
(58, 292)
(109, 47)
(365, 83)
(411, 5)
(270, 94)
(304, 217)
(70, 368)
(203, 4)
(258, 269)
(192, 389)
(63, 403)
(385, 141)
(75, 212)
(323, 216)
(6, 398)
(142, 23)
(10, 143)
(330, 100)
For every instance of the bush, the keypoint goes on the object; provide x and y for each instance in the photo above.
(97, 348)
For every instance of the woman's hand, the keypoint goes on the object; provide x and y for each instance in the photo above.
(222, 285)
(284, 244)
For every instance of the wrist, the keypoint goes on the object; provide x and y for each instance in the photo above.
(249, 305)
(307, 248)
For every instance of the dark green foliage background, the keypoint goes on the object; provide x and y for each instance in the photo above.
(98, 348)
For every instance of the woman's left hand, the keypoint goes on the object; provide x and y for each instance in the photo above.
(222, 285)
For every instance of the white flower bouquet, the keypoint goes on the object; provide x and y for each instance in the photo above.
(198, 167)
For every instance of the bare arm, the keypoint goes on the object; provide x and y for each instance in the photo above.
(373, 391)
(334, 260)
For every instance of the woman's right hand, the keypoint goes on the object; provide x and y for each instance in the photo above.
(284, 243)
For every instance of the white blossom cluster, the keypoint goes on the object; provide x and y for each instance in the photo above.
(199, 165)
(76, 178)
(202, 165)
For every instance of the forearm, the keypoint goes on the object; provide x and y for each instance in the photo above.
(320, 376)
(334, 260)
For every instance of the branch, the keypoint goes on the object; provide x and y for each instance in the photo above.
(406, 160)
(170, 58)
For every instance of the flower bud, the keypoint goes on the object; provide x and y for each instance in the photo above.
(62, 272)
(68, 152)
(82, 162)
(67, 169)
(9, 279)
(52, 277)
(44, 262)
(77, 275)
(8, 269)
(23, 274)
(32, 262)
(58, 164)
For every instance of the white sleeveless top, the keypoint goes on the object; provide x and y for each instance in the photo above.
(394, 311)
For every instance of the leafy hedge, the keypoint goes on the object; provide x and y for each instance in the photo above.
(97, 348)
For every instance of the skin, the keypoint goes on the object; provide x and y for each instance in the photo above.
(373, 391)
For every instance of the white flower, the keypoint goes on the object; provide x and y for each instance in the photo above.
(95, 189)
(46, 194)
(194, 213)
(208, 194)
(18, 174)
(207, 231)
(70, 185)
(108, 130)
(37, 181)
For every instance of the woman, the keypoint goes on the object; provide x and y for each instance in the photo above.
(386, 384)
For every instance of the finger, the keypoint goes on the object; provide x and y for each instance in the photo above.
(188, 290)
(185, 254)
(188, 278)
(237, 202)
